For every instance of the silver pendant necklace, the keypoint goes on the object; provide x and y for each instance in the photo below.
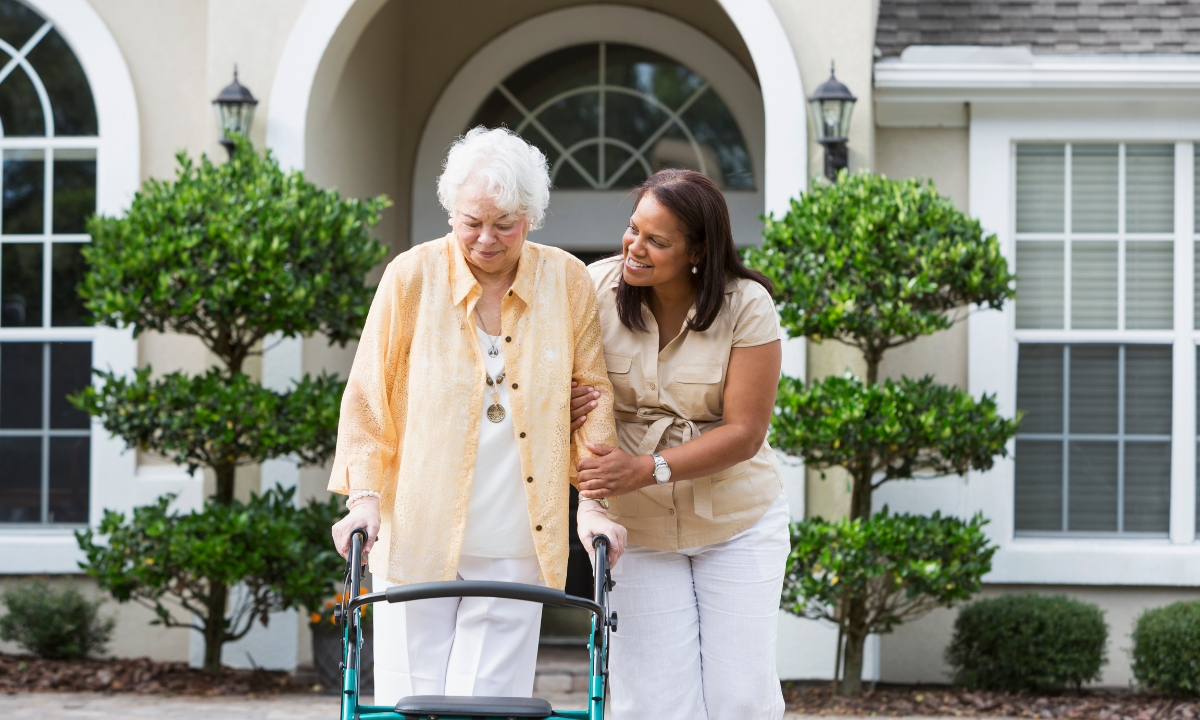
(493, 351)
(495, 411)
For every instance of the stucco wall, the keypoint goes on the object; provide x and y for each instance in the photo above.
(914, 653)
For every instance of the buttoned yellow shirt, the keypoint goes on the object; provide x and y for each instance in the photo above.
(669, 397)
(409, 426)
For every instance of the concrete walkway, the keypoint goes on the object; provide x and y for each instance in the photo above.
(85, 706)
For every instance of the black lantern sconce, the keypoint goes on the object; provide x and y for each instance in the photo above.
(235, 111)
(831, 107)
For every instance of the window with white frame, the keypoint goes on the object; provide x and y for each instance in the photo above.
(1095, 327)
(48, 144)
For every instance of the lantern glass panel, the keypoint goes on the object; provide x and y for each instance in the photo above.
(235, 117)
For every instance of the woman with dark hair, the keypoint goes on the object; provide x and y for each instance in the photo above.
(692, 345)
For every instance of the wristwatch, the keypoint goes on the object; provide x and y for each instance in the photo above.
(662, 471)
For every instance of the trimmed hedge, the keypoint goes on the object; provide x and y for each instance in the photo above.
(1028, 642)
(1166, 649)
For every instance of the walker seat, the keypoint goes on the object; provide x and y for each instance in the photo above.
(421, 707)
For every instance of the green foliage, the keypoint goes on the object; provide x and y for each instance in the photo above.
(281, 555)
(56, 624)
(1028, 642)
(232, 252)
(902, 565)
(1166, 649)
(218, 419)
(877, 263)
(888, 431)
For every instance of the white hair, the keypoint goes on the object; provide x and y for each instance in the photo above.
(515, 174)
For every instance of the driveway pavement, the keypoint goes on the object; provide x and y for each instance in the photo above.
(84, 706)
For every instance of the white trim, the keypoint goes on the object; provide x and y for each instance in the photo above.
(563, 28)
(992, 347)
(1017, 68)
(326, 30)
(118, 153)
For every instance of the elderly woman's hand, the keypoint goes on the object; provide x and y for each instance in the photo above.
(583, 401)
(592, 520)
(365, 515)
(613, 472)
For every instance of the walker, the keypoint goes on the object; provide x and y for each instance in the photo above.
(445, 707)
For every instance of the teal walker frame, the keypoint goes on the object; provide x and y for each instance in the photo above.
(438, 707)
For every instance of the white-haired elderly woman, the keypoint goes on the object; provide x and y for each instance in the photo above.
(455, 443)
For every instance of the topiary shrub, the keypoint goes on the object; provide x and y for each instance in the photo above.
(54, 624)
(1166, 649)
(1028, 642)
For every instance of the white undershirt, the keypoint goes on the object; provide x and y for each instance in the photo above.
(498, 515)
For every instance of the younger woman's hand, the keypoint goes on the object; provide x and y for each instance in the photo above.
(613, 472)
(364, 514)
(591, 521)
(583, 400)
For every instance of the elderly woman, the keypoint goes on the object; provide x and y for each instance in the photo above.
(455, 444)
(693, 350)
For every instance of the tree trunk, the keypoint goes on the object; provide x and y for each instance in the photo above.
(225, 473)
(860, 495)
(856, 637)
(214, 628)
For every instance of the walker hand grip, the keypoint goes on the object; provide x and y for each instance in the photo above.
(478, 588)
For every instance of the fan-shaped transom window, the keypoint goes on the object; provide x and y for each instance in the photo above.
(48, 143)
(609, 115)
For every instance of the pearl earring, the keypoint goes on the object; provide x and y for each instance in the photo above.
(694, 271)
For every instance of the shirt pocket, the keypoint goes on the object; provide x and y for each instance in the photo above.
(698, 389)
(624, 395)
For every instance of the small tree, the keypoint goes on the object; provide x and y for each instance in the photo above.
(230, 254)
(876, 263)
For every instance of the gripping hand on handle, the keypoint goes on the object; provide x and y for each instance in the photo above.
(364, 514)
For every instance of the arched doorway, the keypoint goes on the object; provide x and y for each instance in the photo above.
(610, 94)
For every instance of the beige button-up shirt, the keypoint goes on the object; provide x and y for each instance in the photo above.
(409, 426)
(664, 399)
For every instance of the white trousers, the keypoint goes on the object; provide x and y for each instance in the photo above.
(459, 646)
(697, 627)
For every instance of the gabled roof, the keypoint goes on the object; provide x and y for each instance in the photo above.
(1045, 26)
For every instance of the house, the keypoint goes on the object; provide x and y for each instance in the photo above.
(1067, 127)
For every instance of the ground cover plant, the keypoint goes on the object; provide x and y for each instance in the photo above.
(54, 623)
(875, 264)
(235, 254)
(1028, 642)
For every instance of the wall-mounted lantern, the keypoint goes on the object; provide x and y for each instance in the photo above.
(831, 106)
(235, 111)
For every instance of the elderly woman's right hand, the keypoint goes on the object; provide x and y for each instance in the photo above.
(365, 515)
(592, 520)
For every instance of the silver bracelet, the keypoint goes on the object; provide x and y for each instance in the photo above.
(361, 494)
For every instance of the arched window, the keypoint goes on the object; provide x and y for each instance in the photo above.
(49, 138)
(608, 115)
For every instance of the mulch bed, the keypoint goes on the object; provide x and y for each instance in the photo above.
(25, 673)
(898, 701)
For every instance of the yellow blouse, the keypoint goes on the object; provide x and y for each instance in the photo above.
(667, 398)
(410, 416)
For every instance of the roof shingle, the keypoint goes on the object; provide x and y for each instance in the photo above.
(1046, 26)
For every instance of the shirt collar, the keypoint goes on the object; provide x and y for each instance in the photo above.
(463, 282)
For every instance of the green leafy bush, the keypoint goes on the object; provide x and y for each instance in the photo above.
(900, 566)
(1028, 642)
(1166, 649)
(181, 565)
(55, 624)
(875, 264)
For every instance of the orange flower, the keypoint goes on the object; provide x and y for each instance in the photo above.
(315, 618)
(332, 620)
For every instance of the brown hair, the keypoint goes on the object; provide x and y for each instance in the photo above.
(699, 207)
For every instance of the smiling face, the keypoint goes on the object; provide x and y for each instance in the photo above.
(655, 248)
(490, 238)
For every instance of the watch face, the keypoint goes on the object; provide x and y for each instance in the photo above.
(662, 473)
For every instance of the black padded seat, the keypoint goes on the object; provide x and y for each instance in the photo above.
(424, 706)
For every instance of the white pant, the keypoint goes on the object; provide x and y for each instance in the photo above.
(459, 646)
(697, 627)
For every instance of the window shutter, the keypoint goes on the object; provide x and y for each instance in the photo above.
(1149, 285)
(1040, 284)
(1040, 188)
(1094, 285)
(1094, 180)
(1149, 188)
